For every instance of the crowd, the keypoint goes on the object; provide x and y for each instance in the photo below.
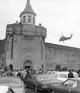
(22, 73)
(26, 73)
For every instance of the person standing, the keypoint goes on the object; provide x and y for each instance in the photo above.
(70, 74)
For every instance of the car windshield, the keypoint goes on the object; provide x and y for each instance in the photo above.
(71, 83)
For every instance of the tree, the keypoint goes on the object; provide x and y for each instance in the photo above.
(65, 69)
(58, 67)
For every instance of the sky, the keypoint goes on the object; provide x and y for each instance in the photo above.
(58, 16)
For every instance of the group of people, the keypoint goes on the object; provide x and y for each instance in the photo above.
(25, 73)
(71, 75)
(22, 73)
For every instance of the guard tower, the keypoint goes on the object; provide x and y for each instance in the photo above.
(25, 43)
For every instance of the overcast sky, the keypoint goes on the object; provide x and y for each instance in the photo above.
(58, 16)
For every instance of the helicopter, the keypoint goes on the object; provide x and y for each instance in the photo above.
(63, 38)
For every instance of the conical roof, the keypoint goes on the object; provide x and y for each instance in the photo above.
(28, 8)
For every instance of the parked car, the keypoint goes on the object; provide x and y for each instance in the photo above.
(71, 85)
(13, 82)
(35, 85)
(6, 89)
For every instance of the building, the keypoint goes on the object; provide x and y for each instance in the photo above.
(2, 53)
(25, 41)
(26, 46)
(62, 55)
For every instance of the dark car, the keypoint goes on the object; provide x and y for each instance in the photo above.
(35, 85)
(71, 85)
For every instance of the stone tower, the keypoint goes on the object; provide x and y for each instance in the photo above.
(25, 43)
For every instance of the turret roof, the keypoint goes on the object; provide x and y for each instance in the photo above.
(28, 8)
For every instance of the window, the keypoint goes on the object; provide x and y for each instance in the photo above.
(24, 19)
(28, 37)
(33, 20)
(29, 19)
